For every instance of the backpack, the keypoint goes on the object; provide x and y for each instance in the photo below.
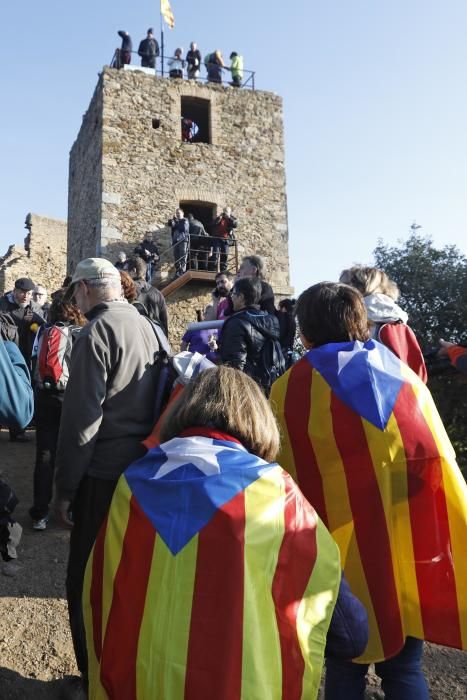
(271, 363)
(165, 374)
(53, 354)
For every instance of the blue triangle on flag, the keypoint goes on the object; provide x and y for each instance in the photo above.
(179, 504)
(366, 377)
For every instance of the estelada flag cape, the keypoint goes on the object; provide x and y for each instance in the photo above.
(364, 441)
(212, 577)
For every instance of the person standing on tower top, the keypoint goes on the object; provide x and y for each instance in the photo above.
(126, 47)
(193, 61)
(148, 50)
(236, 69)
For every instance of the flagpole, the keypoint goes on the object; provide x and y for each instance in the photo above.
(162, 41)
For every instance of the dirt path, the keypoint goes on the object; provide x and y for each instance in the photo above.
(35, 645)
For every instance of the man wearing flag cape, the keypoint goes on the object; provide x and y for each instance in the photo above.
(212, 576)
(364, 441)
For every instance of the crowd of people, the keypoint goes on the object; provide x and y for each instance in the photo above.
(220, 572)
(149, 51)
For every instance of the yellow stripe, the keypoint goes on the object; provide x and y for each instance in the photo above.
(339, 513)
(262, 661)
(315, 610)
(277, 401)
(96, 691)
(116, 527)
(114, 536)
(387, 452)
(455, 490)
(165, 628)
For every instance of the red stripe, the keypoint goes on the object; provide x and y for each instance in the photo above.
(429, 522)
(297, 406)
(295, 564)
(214, 663)
(369, 523)
(119, 653)
(96, 589)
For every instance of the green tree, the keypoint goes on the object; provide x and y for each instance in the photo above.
(433, 286)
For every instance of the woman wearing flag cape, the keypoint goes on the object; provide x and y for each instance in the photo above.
(363, 439)
(212, 576)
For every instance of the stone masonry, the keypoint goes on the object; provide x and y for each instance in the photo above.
(129, 170)
(42, 257)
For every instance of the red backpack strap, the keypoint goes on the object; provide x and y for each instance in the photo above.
(400, 338)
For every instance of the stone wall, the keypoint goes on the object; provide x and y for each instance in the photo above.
(42, 257)
(84, 186)
(129, 154)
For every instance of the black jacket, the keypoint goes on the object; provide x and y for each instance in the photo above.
(23, 318)
(148, 48)
(191, 58)
(127, 44)
(154, 303)
(243, 336)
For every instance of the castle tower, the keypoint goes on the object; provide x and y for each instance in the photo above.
(130, 170)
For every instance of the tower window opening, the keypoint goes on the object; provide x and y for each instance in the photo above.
(195, 120)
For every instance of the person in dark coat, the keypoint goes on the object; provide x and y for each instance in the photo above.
(26, 314)
(180, 235)
(199, 244)
(246, 331)
(149, 301)
(148, 50)
(126, 47)
(149, 251)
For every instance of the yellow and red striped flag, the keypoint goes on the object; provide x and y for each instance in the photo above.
(364, 441)
(167, 14)
(212, 577)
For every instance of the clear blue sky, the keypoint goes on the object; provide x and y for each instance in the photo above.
(375, 106)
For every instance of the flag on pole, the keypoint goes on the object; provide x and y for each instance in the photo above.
(212, 577)
(364, 441)
(167, 14)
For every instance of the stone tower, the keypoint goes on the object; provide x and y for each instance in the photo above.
(130, 170)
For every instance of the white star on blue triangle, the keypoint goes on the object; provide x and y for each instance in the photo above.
(365, 376)
(181, 484)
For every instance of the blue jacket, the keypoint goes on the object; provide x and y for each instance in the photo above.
(348, 632)
(16, 397)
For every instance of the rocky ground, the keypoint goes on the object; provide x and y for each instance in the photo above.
(36, 652)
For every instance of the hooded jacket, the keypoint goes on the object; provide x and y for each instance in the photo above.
(243, 336)
(390, 328)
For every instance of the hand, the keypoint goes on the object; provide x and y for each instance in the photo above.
(445, 345)
(62, 509)
(212, 342)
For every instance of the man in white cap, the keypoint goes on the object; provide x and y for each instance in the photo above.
(107, 412)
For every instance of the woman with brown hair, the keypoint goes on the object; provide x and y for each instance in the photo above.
(223, 579)
(363, 440)
(51, 360)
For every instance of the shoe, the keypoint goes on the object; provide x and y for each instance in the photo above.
(40, 524)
